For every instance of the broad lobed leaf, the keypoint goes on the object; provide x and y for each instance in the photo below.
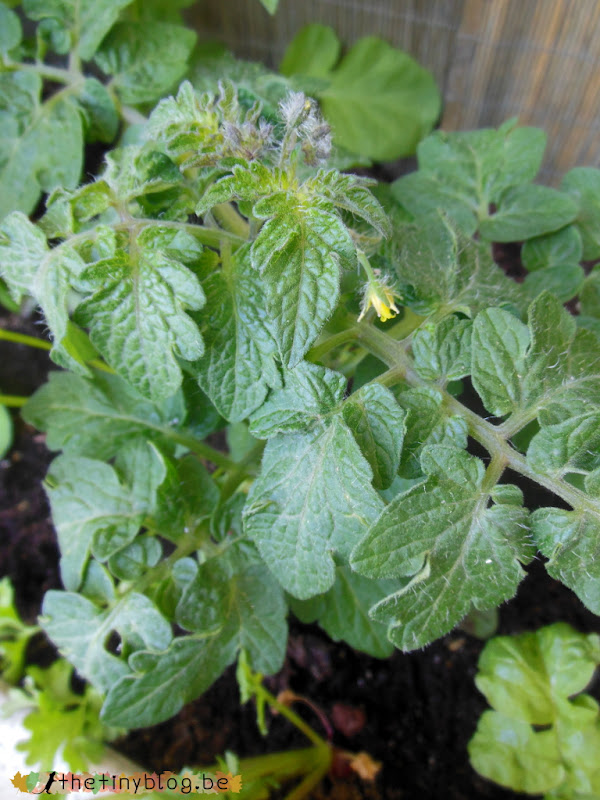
(137, 318)
(96, 418)
(309, 392)
(96, 509)
(343, 611)
(80, 629)
(313, 498)
(40, 144)
(299, 255)
(458, 551)
(145, 59)
(238, 367)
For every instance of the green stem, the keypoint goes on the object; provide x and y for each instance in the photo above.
(21, 338)
(98, 364)
(292, 717)
(213, 237)
(492, 437)
(311, 780)
(231, 221)
(133, 116)
(284, 765)
(31, 341)
(407, 325)
(12, 400)
(241, 471)
(366, 265)
(55, 74)
(189, 544)
(319, 350)
(199, 448)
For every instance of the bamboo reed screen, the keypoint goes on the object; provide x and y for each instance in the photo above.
(538, 60)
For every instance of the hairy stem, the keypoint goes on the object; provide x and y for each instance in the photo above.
(54, 74)
(213, 237)
(335, 340)
(241, 471)
(231, 221)
(198, 448)
(492, 437)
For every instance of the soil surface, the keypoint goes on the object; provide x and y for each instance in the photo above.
(413, 712)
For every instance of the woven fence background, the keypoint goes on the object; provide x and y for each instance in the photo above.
(538, 60)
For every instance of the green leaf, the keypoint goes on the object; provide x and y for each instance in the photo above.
(350, 193)
(528, 211)
(270, 5)
(80, 630)
(88, 21)
(94, 509)
(552, 331)
(22, 248)
(571, 542)
(438, 266)
(29, 266)
(553, 250)
(100, 113)
(6, 431)
(98, 585)
(97, 418)
(237, 595)
(187, 496)
(442, 352)
(162, 683)
(299, 253)
(14, 635)
(133, 560)
(529, 679)
(63, 723)
(239, 365)
(590, 295)
(41, 145)
(379, 101)
(571, 445)
(525, 676)
(10, 30)
(426, 424)
(378, 425)
(156, 10)
(457, 551)
(515, 367)
(312, 498)
(133, 172)
(145, 59)
(308, 394)
(137, 316)
(583, 185)
(240, 442)
(464, 173)
(313, 52)
(211, 63)
(343, 612)
(500, 344)
(507, 752)
(564, 282)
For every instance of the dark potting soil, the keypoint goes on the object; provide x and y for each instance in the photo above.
(414, 712)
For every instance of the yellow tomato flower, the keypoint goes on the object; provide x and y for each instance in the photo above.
(381, 297)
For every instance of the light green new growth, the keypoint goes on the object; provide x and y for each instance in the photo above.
(543, 736)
